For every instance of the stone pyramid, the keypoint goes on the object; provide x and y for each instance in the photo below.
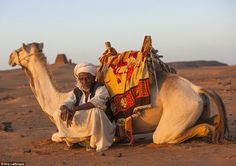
(61, 59)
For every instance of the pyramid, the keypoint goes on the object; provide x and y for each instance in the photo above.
(61, 59)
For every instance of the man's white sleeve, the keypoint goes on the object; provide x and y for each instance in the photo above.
(70, 101)
(100, 98)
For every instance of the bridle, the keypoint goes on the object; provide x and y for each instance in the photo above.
(27, 57)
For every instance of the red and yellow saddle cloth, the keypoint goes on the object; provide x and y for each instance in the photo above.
(127, 80)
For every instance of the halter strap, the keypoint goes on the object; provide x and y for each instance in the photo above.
(26, 57)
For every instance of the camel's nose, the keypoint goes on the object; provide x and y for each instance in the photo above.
(11, 60)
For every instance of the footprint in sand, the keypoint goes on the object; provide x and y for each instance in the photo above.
(7, 98)
(6, 126)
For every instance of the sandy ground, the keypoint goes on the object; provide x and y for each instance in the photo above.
(28, 142)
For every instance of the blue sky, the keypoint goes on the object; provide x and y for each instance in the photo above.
(181, 30)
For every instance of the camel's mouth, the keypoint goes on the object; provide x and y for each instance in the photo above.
(13, 64)
(11, 61)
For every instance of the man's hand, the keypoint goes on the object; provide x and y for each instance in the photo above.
(70, 115)
(64, 112)
(67, 115)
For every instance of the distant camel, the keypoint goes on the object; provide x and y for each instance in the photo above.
(182, 109)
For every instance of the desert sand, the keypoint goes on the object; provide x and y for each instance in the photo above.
(29, 140)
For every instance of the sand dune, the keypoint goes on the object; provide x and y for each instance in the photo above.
(29, 141)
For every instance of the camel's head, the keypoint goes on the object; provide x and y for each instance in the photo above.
(23, 55)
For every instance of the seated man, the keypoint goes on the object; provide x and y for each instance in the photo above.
(82, 115)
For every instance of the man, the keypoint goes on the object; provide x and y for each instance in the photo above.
(82, 115)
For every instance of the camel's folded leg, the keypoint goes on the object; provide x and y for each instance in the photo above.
(200, 130)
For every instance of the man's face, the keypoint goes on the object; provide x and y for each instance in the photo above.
(86, 80)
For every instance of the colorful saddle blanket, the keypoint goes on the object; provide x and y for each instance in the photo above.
(126, 77)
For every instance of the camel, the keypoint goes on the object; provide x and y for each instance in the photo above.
(182, 109)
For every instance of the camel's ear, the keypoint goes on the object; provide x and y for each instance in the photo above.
(40, 46)
(24, 46)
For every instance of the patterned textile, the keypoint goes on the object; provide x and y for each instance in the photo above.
(127, 80)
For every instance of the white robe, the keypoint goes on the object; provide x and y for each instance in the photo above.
(92, 122)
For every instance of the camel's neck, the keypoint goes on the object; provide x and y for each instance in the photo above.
(42, 86)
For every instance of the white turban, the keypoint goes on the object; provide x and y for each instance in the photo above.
(86, 68)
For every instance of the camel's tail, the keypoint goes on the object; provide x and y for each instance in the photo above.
(221, 125)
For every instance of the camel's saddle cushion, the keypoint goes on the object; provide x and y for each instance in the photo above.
(126, 77)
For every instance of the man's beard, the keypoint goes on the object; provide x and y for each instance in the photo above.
(79, 85)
